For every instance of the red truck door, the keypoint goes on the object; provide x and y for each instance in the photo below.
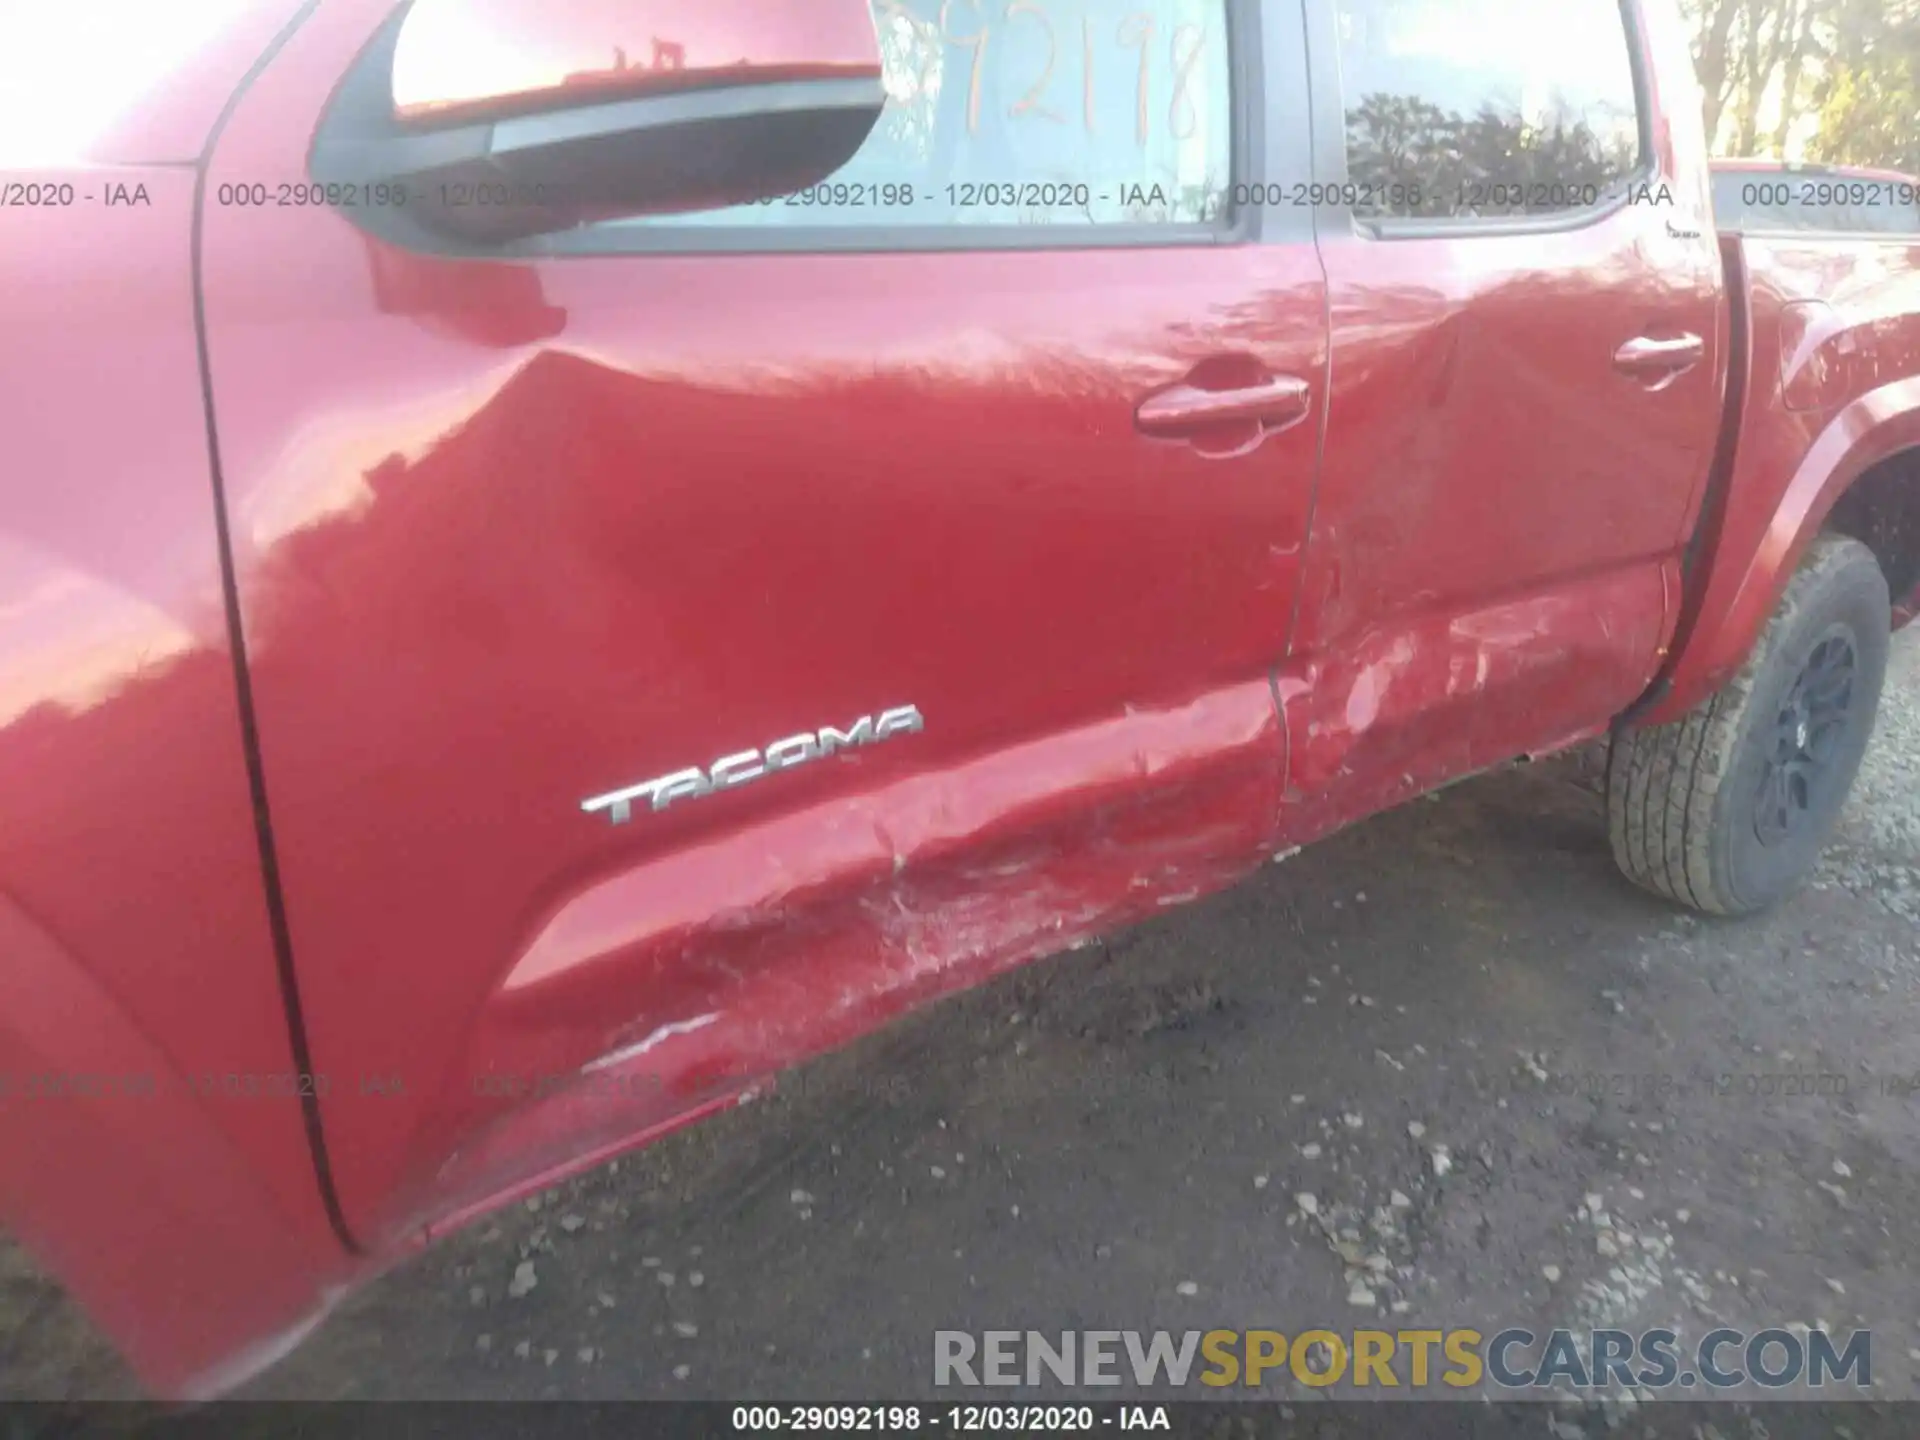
(976, 480)
(1527, 384)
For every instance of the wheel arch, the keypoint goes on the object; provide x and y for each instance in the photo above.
(1860, 477)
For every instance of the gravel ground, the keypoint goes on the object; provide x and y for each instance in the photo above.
(1352, 1090)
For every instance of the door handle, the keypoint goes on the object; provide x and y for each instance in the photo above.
(1186, 410)
(1660, 362)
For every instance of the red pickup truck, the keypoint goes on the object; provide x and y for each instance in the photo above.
(559, 557)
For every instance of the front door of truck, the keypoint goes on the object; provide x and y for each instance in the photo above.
(678, 644)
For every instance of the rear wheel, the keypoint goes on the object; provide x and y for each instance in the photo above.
(1727, 808)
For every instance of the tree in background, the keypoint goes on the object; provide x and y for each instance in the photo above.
(1839, 79)
(1869, 98)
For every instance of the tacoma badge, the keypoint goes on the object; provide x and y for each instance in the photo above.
(732, 771)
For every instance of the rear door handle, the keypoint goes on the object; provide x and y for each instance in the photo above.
(1187, 410)
(1659, 362)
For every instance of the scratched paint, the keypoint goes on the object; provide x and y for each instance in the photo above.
(694, 975)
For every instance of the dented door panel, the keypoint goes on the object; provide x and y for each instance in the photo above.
(517, 535)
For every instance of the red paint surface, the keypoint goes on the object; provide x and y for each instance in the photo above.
(511, 534)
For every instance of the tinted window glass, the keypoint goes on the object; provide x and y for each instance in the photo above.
(1761, 200)
(1486, 108)
(1032, 112)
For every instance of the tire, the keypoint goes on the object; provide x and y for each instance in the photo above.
(1726, 809)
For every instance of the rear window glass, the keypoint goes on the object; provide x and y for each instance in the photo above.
(1486, 109)
(1762, 200)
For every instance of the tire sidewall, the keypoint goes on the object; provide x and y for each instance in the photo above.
(1849, 599)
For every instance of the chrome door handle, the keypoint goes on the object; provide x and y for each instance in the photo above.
(1187, 409)
(1660, 361)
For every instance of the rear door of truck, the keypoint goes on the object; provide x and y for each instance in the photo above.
(1528, 371)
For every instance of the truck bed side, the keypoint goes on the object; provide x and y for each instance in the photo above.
(1823, 432)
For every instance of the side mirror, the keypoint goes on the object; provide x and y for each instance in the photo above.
(486, 121)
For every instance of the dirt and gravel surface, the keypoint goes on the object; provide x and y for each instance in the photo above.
(1445, 1069)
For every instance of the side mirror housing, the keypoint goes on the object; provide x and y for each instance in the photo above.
(486, 121)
